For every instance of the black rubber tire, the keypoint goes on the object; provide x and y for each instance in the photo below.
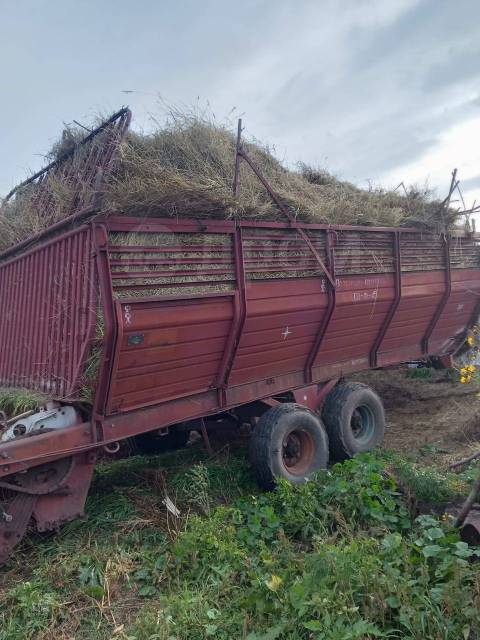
(277, 426)
(151, 442)
(338, 412)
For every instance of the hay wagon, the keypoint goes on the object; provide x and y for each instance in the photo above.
(190, 324)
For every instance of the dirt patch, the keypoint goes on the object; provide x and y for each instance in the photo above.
(434, 413)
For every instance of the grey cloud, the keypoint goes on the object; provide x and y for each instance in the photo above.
(394, 97)
(470, 183)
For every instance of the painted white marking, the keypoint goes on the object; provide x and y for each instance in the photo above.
(286, 333)
(127, 312)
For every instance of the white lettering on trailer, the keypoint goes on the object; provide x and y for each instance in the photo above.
(365, 296)
(127, 312)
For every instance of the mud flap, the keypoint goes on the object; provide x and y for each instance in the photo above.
(14, 523)
(54, 509)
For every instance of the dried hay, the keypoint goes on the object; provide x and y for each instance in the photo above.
(185, 169)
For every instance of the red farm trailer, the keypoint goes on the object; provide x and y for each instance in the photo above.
(204, 321)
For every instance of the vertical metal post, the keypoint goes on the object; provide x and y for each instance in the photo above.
(443, 302)
(240, 309)
(332, 301)
(106, 295)
(397, 257)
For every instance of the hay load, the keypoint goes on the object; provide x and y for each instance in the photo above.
(185, 168)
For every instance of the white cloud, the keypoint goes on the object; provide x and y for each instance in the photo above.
(456, 148)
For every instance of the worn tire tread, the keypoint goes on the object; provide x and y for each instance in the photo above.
(339, 448)
(260, 441)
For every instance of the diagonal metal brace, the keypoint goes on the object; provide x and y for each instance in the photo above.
(241, 154)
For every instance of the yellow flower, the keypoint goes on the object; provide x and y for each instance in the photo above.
(274, 583)
(463, 379)
(470, 340)
(471, 367)
(463, 371)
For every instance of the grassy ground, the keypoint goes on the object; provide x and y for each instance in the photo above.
(345, 556)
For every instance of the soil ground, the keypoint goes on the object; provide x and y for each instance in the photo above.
(434, 416)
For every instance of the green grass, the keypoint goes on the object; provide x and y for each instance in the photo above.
(341, 557)
(14, 401)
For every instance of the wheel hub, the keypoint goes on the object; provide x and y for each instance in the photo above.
(362, 423)
(297, 451)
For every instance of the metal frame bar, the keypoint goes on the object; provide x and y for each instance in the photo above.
(124, 111)
(208, 225)
(238, 323)
(395, 302)
(100, 235)
(332, 301)
(445, 297)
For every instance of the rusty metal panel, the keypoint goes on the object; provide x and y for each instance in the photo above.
(456, 315)
(281, 324)
(187, 342)
(48, 297)
(168, 349)
(421, 294)
(254, 331)
(362, 306)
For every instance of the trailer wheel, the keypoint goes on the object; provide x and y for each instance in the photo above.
(355, 419)
(152, 442)
(289, 442)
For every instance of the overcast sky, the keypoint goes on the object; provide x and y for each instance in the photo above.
(378, 91)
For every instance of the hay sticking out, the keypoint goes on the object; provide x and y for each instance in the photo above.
(14, 401)
(88, 382)
(185, 169)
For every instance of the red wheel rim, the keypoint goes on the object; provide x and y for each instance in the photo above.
(298, 451)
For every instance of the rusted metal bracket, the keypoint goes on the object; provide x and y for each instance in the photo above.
(443, 302)
(396, 301)
(206, 439)
(313, 396)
